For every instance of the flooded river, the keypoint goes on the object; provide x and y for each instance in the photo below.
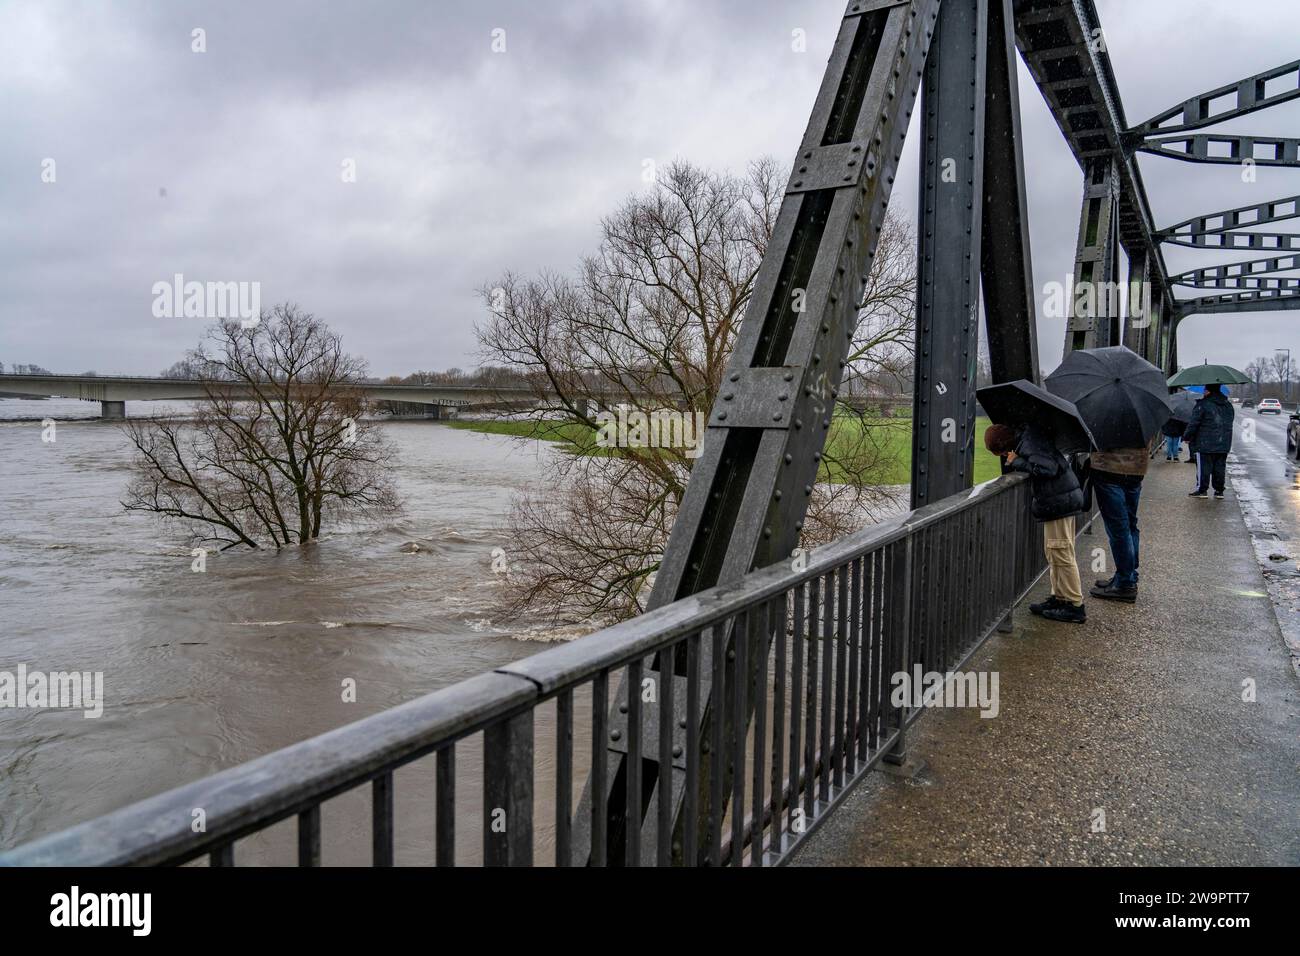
(203, 671)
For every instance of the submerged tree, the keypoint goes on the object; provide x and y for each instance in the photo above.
(642, 333)
(278, 447)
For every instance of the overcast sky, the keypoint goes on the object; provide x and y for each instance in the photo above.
(227, 165)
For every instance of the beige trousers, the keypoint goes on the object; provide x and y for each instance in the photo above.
(1062, 569)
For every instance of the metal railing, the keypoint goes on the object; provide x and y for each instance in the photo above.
(925, 588)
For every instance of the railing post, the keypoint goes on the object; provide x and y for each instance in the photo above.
(508, 792)
(901, 589)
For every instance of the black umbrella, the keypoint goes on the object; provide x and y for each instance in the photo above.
(1121, 396)
(1022, 402)
(1182, 404)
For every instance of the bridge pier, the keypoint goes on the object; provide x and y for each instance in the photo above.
(112, 411)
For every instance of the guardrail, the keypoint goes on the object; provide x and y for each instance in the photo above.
(926, 588)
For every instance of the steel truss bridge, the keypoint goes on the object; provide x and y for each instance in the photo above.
(727, 723)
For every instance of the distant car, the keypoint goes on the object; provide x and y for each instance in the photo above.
(1269, 405)
(1248, 403)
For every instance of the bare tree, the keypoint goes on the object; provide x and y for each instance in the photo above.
(278, 447)
(641, 335)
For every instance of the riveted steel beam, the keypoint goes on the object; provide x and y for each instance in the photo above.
(1142, 311)
(1093, 315)
(749, 491)
(1065, 52)
(1278, 85)
(948, 253)
(1006, 269)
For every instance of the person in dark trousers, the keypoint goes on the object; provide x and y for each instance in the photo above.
(1211, 431)
(1056, 499)
(1117, 484)
(1173, 432)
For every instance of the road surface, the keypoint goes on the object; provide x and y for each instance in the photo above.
(1266, 483)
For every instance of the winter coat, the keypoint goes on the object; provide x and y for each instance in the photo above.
(1210, 429)
(1056, 490)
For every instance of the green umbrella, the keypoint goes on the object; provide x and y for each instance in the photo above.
(1208, 375)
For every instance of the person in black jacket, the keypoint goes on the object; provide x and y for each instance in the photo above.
(1211, 431)
(1057, 498)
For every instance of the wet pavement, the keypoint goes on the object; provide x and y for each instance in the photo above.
(1127, 740)
(1266, 479)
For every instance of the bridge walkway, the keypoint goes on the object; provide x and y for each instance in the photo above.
(1138, 714)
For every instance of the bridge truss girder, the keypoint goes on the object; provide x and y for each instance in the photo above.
(749, 492)
(1245, 274)
(1263, 300)
(1231, 149)
(1225, 220)
(1247, 96)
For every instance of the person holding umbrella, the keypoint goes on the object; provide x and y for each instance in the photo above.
(1209, 433)
(1043, 424)
(1211, 430)
(1124, 401)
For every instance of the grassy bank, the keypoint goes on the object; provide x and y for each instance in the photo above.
(894, 433)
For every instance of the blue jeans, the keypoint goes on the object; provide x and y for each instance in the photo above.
(1172, 445)
(1118, 504)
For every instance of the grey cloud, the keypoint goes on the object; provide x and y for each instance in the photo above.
(468, 163)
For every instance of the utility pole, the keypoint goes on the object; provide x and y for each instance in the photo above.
(1286, 372)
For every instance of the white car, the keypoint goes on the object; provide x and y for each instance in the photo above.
(1269, 405)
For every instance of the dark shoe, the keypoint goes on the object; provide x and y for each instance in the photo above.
(1169, 457)
(1199, 494)
(1067, 613)
(1218, 496)
(1112, 593)
(1051, 602)
(1105, 582)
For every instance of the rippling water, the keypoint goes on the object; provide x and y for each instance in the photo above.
(204, 671)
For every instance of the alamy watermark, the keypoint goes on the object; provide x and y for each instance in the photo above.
(128, 910)
(208, 300)
(952, 689)
(1097, 300)
(627, 427)
(57, 690)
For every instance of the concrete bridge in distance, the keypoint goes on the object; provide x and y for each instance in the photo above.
(114, 391)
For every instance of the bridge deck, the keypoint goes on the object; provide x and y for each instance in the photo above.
(1139, 713)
